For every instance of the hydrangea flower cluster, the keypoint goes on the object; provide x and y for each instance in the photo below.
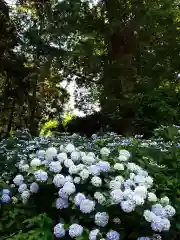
(91, 183)
(5, 196)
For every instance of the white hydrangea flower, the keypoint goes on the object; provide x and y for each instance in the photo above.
(152, 197)
(170, 211)
(131, 166)
(25, 195)
(122, 158)
(93, 234)
(35, 162)
(18, 180)
(84, 174)
(139, 200)
(24, 168)
(59, 180)
(164, 201)
(22, 188)
(61, 148)
(119, 178)
(149, 181)
(141, 190)
(75, 156)
(55, 167)
(119, 166)
(51, 152)
(139, 179)
(68, 163)
(41, 153)
(91, 154)
(69, 188)
(105, 151)
(73, 169)
(34, 187)
(87, 206)
(116, 195)
(115, 184)
(80, 167)
(82, 154)
(148, 215)
(101, 219)
(131, 176)
(100, 198)
(61, 157)
(69, 148)
(125, 153)
(96, 181)
(77, 180)
(88, 160)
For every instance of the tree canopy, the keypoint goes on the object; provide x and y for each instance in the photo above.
(123, 53)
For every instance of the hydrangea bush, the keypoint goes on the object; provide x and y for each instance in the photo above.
(90, 189)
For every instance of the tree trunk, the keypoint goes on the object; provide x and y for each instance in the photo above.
(119, 70)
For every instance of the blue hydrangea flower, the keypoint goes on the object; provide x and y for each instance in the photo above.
(61, 203)
(6, 191)
(75, 230)
(5, 198)
(59, 230)
(103, 166)
(87, 206)
(112, 235)
(79, 198)
(101, 219)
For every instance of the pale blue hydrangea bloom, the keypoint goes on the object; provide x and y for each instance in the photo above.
(128, 206)
(103, 166)
(87, 206)
(112, 235)
(59, 180)
(22, 188)
(69, 188)
(59, 230)
(160, 224)
(41, 175)
(158, 210)
(34, 187)
(6, 191)
(75, 230)
(93, 234)
(63, 194)
(94, 170)
(79, 198)
(61, 203)
(18, 180)
(5, 198)
(101, 219)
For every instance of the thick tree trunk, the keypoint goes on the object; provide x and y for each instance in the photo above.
(119, 71)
